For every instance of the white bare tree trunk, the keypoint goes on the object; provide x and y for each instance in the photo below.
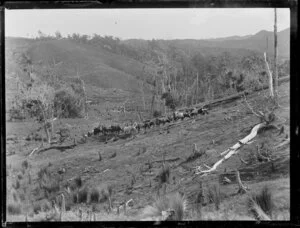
(275, 53)
(270, 76)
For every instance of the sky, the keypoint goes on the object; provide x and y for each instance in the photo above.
(188, 23)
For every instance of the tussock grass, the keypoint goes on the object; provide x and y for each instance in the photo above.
(103, 196)
(14, 209)
(20, 176)
(82, 195)
(214, 196)
(16, 185)
(174, 202)
(37, 208)
(164, 175)
(78, 181)
(261, 205)
(25, 164)
(94, 195)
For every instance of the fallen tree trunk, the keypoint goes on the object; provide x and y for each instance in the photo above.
(167, 159)
(232, 150)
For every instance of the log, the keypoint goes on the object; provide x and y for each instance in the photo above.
(232, 150)
(169, 159)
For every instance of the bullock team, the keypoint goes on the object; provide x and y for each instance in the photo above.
(147, 124)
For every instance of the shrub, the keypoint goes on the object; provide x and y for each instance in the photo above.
(170, 100)
(67, 104)
(14, 209)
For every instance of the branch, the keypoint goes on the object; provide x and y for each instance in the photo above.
(260, 114)
(282, 144)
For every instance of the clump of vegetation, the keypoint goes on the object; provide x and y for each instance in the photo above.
(78, 181)
(163, 178)
(114, 154)
(66, 104)
(82, 195)
(25, 164)
(37, 208)
(20, 176)
(156, 113)
(261, 205)
(214, 196)
(164, 174)
(95, 195)
(16, 185)
(175, 202)
(48, 182)
(14, 209)
(170, 100)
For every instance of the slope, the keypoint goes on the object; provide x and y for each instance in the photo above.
(97, 66)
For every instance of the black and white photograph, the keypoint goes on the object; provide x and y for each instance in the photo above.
(147, 114)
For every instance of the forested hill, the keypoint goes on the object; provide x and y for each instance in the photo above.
(129, 65)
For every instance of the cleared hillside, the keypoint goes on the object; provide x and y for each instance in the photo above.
(97, 66)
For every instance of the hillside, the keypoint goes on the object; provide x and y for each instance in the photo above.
(131, 165)
(97, 66)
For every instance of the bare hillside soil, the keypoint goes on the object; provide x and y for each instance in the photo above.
(125, 158)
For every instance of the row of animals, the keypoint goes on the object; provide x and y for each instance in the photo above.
(136, 127)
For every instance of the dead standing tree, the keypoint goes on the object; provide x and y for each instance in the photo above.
(86, 115)
(275, 54)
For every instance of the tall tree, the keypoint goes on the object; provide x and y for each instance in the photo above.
(275, 54)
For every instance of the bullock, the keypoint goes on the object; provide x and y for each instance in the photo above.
(186, 114)
(116, 128)
(202, 111)
(194, 112)
(178, 115)
(97, 130)
(130, 129)
(139, 126)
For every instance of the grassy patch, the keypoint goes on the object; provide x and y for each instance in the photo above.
(13, 209)
(214, 196)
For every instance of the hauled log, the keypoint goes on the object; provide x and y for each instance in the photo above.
(232, 150)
